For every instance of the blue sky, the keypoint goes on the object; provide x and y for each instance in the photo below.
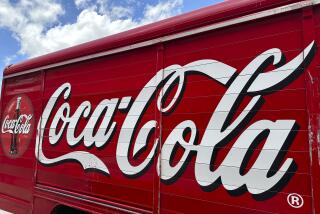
(42, 26)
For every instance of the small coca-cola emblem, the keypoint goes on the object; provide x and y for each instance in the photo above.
(17, 126)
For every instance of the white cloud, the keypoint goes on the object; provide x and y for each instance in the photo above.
(27, 20)
(89, 26)
(162, 10)
(36, 23)
(7, 60)
(16, 16)
(82, 3)
(119, 12)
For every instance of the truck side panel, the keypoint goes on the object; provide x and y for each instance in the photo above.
(109, 79)
(177, 127)
(238, 46)
(17, 171)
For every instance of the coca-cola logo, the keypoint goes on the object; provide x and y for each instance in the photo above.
(252, 81)
(17, 126)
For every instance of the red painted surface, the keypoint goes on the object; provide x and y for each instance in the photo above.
(29, 185)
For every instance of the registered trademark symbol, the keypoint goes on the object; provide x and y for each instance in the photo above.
(295, 200)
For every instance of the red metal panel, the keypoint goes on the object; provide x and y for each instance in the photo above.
(17, 171)
(150, 77)
(237, 46)
(111, 78)
(312, 94)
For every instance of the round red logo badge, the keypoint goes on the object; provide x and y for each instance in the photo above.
(17, 126)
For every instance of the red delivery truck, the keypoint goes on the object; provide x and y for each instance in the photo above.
(213, 111)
